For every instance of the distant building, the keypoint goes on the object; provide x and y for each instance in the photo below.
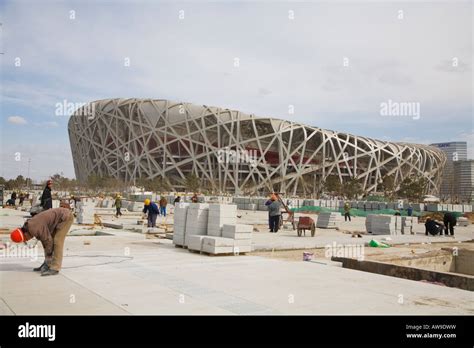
(457, 183)
(464, 174)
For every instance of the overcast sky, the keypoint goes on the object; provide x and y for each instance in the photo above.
(334, 62)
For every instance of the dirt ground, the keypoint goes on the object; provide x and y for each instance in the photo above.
(380, 254)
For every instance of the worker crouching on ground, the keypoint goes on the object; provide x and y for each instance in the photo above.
(450, 221)
(50, 228)
(274, 211)
(433, 227)
(152, 209)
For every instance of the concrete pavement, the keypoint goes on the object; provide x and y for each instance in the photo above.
(124, 273)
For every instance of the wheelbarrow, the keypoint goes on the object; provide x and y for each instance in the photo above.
(305, 223)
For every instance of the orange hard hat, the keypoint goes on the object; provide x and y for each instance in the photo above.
(17, 235)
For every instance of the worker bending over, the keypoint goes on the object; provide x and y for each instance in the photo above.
(433, 227)
(50, 227)
(152, 209)
(450, 221)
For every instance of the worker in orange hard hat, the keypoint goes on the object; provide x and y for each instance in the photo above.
(50, 228)
(274, 212)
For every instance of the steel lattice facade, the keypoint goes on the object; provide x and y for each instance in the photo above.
(230, 151)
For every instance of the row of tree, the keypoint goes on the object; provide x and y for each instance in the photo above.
(411, 188)
(15, 184)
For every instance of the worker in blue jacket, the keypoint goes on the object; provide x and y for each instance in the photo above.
(152, 209)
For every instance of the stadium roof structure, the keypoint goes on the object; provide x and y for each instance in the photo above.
(231, 151)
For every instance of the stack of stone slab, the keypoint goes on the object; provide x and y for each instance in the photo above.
(219, 215)
(384, 224)
(418, 206)
(392, 205)
(329, 220)
(56, 203)
(125, 204)
(368, 222)
(261, 204)
(241, 202)
(85, 212)
(236, 238)
(196, 220)
(179, 227)
(107, 203)
(407, 224)
(241, 234)
(136, 206)
(194, 242)
(462, 221)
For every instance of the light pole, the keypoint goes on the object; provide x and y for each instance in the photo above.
(28, 177)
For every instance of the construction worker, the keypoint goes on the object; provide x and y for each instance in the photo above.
(450, 221)
(46, 198)
(12, 199)
(152, 209)
(347, 211)
(50, 228)
(118, 205)
(433, 227)
(267, 203)
(163, 203)
(22, 198)
(274, 210)
(177, 200)
(194, 199)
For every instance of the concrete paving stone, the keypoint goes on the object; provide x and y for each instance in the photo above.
(211, 249)
(236, 235)
(194, 242)
(218, 241)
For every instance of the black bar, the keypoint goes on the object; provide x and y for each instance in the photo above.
(240, 330)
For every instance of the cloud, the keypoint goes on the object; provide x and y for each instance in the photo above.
(282, 62)
(17, 120)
